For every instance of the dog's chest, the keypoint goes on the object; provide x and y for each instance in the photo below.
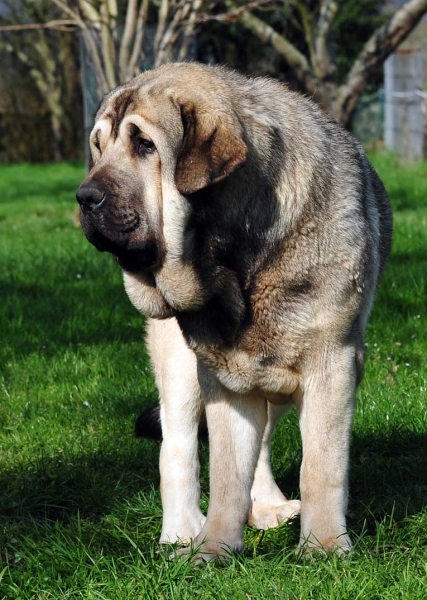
(245, 372)
(264, 358)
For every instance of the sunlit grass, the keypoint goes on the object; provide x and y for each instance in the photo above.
(80, 511)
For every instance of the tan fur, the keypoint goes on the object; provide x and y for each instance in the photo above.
(270, 231)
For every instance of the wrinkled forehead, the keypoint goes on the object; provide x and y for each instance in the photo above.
(152, 102)
(114, 107)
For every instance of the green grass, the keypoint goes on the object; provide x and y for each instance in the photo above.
(80, 510)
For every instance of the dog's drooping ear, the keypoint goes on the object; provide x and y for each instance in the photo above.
(212, 148)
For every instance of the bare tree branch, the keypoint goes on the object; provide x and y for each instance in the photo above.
(139, 37)
(161, 23)
(233, 14)
(89, 41)
(59, 24)
(317, 74)
(112, 15)
(380, 45)
(307, 23)
(74, 14)
(296, 60)
(189, 28)
(107, 22)
(328, 12)
(172, 32)
(128, 35)
(90, 13)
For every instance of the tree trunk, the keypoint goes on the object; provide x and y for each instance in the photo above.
(317, 73)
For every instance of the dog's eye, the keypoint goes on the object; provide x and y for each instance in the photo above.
(145, 147)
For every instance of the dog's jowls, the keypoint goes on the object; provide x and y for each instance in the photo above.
(252, 230)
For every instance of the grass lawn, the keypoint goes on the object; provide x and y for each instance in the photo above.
(80, 509)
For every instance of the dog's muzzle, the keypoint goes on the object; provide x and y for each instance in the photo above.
(122, 233)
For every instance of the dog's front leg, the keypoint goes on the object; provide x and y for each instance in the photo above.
(175, 368)
(325, 419)
(236, 425)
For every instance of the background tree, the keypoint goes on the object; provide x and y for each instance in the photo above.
(114, 33)
(48, 59)
(118, 39)
(315, 64)
(330, 49)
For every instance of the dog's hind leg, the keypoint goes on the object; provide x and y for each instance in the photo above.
(269, 507)
(175, 370)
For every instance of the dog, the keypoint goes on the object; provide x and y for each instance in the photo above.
(252, 232)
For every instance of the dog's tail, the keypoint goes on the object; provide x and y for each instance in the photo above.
(148, 425)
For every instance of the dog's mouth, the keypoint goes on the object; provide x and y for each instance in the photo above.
(132, 256)
(136, 260)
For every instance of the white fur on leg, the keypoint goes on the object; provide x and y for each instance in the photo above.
(325, 421)
(236, 425)
(180, 408)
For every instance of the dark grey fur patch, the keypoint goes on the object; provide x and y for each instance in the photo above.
(301, 286)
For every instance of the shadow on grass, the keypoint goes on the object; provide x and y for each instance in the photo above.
(416, 259)
(61, 487)
(388, 474)
(388, 477)
(42, 317)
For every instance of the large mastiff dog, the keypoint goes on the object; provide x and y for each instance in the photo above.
(252, 232)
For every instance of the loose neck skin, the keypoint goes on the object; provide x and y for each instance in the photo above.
(175, 286)
(222, 235)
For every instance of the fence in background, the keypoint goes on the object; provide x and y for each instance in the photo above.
(404, 104)
(91, 96)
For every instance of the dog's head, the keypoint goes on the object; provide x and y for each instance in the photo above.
(172, 129)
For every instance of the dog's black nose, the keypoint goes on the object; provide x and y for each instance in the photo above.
(90, 195)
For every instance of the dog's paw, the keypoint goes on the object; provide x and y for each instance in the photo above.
(207, 550)
(182, 533)
(311, 546)
(268, 517)
(204, 554)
